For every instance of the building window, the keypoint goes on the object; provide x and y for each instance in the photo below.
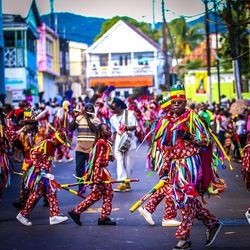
(117, 93)
(103, 60)
(49, 53)
(144, 58)
(9, 39)
(49, 48)
(126, 94)
(121, 59)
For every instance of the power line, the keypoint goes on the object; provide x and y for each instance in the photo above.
(192, 16)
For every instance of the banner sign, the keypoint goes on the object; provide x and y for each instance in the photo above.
(201, 82)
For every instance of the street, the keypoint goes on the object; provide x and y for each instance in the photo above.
(132, 231)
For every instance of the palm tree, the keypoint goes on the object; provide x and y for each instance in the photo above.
(186, 38)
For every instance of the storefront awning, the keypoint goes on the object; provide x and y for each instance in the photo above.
(123, 82)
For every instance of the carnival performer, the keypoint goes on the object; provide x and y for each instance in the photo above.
(140, 131)
(187, 140)
(15, 116)
(7, 136)
(62, 120)
(246, 170)
(97, 172)
(102, 112)
(39, 179)
(122, 123)
(158, 163)
(85, 122)
(26, 137)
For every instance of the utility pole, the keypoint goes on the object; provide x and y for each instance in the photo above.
(153, 8)
(52, 15)
(235, 59)
(217, 48)
(208, 54)
(2, 67)
(238, 36)
(164, 47)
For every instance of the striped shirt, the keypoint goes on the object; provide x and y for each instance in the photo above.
(86, 137)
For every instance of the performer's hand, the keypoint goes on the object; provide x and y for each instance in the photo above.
(84, 113)
(49, 176)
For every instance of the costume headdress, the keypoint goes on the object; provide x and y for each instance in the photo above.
(166, 102)
(177, 92)
(27, 113)
(65, 105)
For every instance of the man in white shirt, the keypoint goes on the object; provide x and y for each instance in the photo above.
(120, 125)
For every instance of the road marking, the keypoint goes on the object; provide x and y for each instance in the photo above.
(99, 209)
(234, 222)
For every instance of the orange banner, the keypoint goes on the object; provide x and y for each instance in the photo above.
(123, 82)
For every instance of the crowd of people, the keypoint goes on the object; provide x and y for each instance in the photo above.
(187, 145)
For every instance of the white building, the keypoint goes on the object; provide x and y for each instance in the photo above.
(77, 67)
(125, 58)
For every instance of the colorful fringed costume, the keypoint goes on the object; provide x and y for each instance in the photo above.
(27, 139)
(246, 163)
(186, 156)
(158, 162)
(61, 122)
(37, 180)
(7, 136)
(97, 171)
(187, 144)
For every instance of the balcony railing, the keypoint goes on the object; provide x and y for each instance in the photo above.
(14, 57)
(121, 71)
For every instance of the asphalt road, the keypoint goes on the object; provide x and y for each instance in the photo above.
(132, 231)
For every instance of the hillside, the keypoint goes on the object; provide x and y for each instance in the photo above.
(75, 27)
(211, 17)
(84, 29)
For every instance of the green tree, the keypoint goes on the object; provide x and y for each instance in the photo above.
(185, 38)
(231, 38)
(142, 26)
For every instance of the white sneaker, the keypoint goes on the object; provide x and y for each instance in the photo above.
(170, 223)
(147, 216)
(25, 221)
(248, 216)
(57, 219)
(58, 160)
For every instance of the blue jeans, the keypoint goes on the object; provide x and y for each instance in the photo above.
(81, 162)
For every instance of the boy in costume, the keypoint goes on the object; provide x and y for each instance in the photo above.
(97, 172)
(39, 179)
(26, 137)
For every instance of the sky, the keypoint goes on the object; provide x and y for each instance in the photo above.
(141, 10)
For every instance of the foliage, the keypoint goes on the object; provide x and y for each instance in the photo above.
(196, 64)
(230, 39)
(142, 26)
(185, 37)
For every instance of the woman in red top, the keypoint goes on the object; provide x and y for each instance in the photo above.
(97, 172)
